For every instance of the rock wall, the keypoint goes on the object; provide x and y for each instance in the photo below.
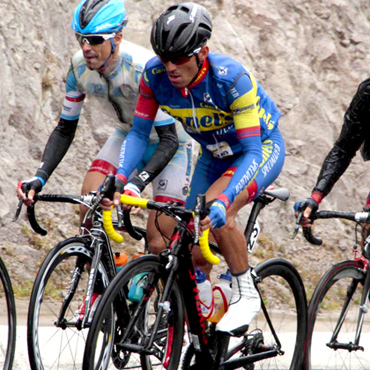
(309, 56)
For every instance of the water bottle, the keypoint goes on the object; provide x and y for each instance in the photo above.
(205, 293)
(120, 260)
(137, 284)
(221, 296)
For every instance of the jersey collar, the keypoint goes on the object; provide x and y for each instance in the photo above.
(200, 77)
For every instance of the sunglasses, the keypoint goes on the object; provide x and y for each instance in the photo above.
(180, 60)
(94, 39)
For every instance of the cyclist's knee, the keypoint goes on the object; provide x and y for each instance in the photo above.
(229, 227)
(156, 245)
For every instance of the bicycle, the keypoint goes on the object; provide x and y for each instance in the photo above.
(71, 273)
(168, 290)
(8, 319)
(342, 294)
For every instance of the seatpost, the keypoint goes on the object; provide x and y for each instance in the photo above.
(258, 204)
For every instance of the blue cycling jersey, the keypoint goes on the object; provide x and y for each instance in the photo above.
(226, 110)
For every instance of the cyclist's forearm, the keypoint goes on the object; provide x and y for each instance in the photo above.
(166, 149)
(56, 147)
(335, 164)
(133, 148)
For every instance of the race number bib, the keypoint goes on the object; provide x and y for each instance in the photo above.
(220, 150)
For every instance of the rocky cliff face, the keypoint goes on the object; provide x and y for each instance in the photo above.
(309, 56)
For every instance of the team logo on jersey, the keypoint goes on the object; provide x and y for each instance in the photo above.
(234, 92)
(144, 176)
(222, 71)
(207, 98)
(162, 184)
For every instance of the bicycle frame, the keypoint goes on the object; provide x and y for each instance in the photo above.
(180, 266)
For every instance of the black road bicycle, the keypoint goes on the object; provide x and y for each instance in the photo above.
(72, 272)
(151, 323)
(338, 307)
(7, 319)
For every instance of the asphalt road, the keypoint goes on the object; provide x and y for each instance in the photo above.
(360, 360)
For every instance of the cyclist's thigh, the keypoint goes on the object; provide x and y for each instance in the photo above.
(173, 182)
(108, 157)
(207, 171)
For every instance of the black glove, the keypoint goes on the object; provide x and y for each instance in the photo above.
(303, 204)
(35, 183)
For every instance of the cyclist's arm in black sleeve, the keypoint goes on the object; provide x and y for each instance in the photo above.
(354, 131)
(56, 147)
(166, 149)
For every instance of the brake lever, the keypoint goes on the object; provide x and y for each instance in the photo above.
(119, 216)
(18, 211)
(298, 222)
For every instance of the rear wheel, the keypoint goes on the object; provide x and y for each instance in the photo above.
(284, 297)
(55, 338)
(135, 314)
(7, 319)
(337, 298)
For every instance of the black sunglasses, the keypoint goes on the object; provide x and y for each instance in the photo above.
(180, 60)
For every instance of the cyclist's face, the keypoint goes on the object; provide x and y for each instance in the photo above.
(182, 72)
(96, 55)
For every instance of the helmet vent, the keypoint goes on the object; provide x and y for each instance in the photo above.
(89, 9)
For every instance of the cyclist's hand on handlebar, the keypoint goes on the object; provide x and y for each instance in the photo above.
(308, 207)
(128, 189)
(106, 204)
(133, 191)
(216, 217)
(27, 189)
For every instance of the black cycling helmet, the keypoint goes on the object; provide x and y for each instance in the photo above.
(181, 30)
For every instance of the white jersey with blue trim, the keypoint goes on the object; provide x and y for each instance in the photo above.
(117, 90)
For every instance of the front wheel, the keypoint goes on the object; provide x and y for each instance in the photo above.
(332, 320)
(136, 297)
(55, 338)
(8, 319)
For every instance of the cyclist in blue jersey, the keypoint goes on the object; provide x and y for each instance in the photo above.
(108, 69)
(223, 107)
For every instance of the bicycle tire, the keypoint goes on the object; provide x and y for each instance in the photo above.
(169, 338)
(284, 296)
(323, 313)
(52, 345)
(8, 311)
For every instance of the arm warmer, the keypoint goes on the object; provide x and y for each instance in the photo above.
(166, 149)
(56, 147)
(354, 131)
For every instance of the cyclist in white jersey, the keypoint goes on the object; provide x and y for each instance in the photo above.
(109, 69)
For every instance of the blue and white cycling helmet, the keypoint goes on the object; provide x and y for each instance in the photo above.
(99, 16)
